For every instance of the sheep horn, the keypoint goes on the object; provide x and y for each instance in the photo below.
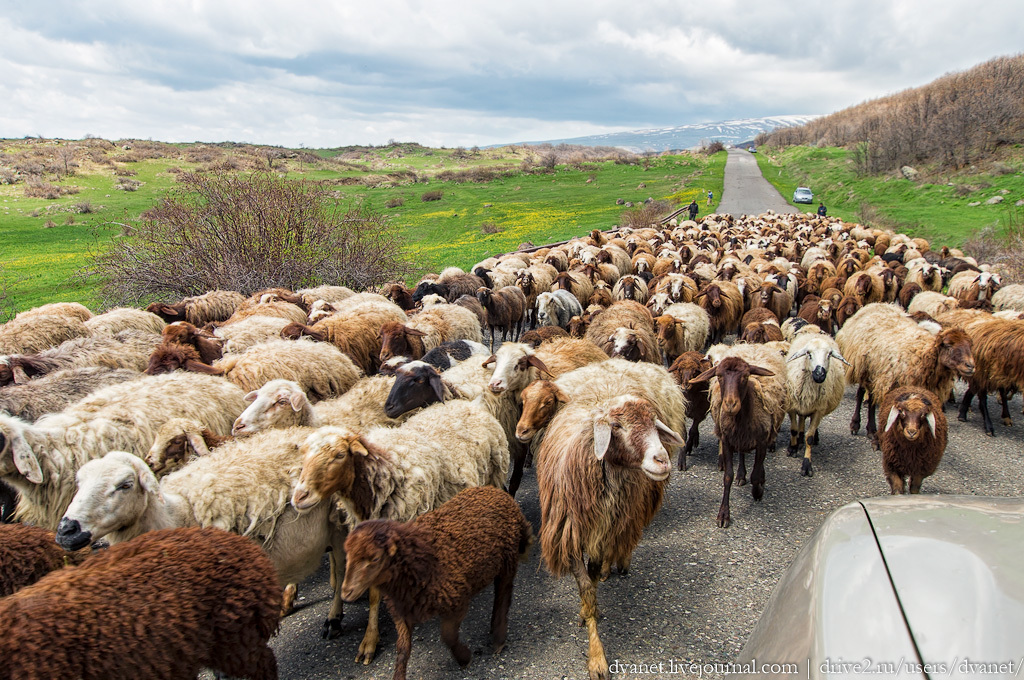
(931, 422)
(837, 355)
(799, 355)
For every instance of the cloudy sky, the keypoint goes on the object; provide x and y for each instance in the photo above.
(323, 73)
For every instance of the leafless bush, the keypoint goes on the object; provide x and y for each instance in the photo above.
(433, 195)
(37, 189)
(83, 208)
(245, 234)
(8, 176)
(998, 169)
(490, 228)
(128, 184)
(713, 147)
(124, 172)
(395, 202)
(1004, 247)
(644, 215)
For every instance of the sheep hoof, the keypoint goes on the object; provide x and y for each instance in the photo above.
(331, 629)
(962, 418)
(990, 433)
(498, 648)
(771, 447)
(805, 468)
(791, 450)
(854, 429)
(1008, 422)
(741, 481)
(757, 491)
(723, 520)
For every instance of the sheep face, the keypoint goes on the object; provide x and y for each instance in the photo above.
(416, 384)
(816, 357)
(955, 352)
(171, 456)
(327, 465)
(395, 341)
(368, 552)
(628, 433)
(911, 414)
(541, 400)
(112, 493)
(733, 376)
(658, 303)
(273, 405)
(512, 364)
(428, 287)
(625, 343)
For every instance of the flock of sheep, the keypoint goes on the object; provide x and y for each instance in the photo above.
(384, 428)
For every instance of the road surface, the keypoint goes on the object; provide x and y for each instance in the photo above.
(746, 191)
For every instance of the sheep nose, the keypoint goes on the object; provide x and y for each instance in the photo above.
(70, 535)
(496, 387)
(68, 527)
(238, 426)
(818, 374)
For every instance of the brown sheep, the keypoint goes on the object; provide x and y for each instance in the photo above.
(847, 307)
(687, 366)
(216, 305)
(775, 299)
(355, 332)
(760, 332)
(208, 345)
(914, 437)
(723, 302)
(163, 605)
(626, 329)
(867, 287)
(601, 297)
(435, 564)
(506, 309)
(907, 293)
(577, 327)
(28, 553)
(534, 338)
(167, 358)
(601, 475)
(576, 283)
(400, 295)
(997, 346)
(817, 311)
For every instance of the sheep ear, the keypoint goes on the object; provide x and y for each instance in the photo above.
(197, 443)
(561, 395)
(414, 331)
(19, 374)
(602, 436)
(757, 370)
(669, 433)
(356, 446)
(704, 377)
(200, 367)
(25, 459)
(837, 355)
(894, 413)
(251, 397)
(437, 386)
(799, 355)
(147, 480)
(931, 422)
(298, 400)
(539, 365)
(490, 360)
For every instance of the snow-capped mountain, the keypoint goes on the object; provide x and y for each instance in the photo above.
(686, 136)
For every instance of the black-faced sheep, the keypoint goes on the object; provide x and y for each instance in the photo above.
(914, 437)
(114, 619)
(435, 564)
(456, 284)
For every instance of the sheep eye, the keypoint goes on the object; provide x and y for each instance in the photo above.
(616, 426)
(125, 485)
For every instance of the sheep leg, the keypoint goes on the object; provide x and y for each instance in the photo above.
(895, 483)
(855, 421)
(403, 647)
(288, 599)
(794, 433)
(811, 435)
(1005, 400)
(726, 461)
(368, 647)
(757, 473)
(597, 664)
(450, 636)
(915, 483)
(692, 440)
(965, 405)
(990, 429)
(872, 428)
(519, 460)
(499, 614)
(260, 665)
(721, 457)
(741, 474)
(332, 625)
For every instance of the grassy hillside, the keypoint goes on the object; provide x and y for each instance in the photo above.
(60, 199)
(936, 205)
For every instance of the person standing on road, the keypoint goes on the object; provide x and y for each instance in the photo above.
(693, 209)
(822, 210)
(711, 195)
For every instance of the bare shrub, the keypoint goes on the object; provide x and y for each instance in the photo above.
(37, 189)
(83, 208)
(49, 224)
(490, 228)
(128, 184)
(998, 169)
(8, 176)
(644, 215)
(433, 195)
(245, 234)
(124, 172)
(713, 147)
(395, 202)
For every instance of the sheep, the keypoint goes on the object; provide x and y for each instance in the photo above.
(723, 302)
(678, 287)
(997, 346)
(179, 441)
(34, 333)
(684, 327)
(775, 299)
(931, 303)
(242, 487)
(1009, 297)
(914, 437)
(329, 294)
(866, 286)
(927, 276)
(240, 336)
(323, 370)
(495, 278)
(625, 329)
(183, 333)
(815, 390)
(887, 349)
(355, 331)
(273, 307)
(400, 473)
(689, 365)
(657, 304)
(399, 294)
(172, 357)
(8, 502)
(451, 287)
(534, 338)
(129, 349)
(434, 565)
(119, 319)
(747, 413)
(556, 308)
(427, 330)
(516, 365)
(162, 606)
(576, 283)
(846, 308)
(630, 287)
(28, 553)
(506, 309)
(907, 294)
(68, 310)
(760, 332)
(817, 311)
(601, 474)
(39, 460)
(533, 281)
(216, 305)
(968, 285)
(54, 391)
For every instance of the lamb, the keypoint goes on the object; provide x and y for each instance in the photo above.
(400, 473)
(119, 319)
(687, 366)
(887, 349)
(601, 473)
(760, 332)
(927, 276)
(684, 327)
(355, 331)
(321, 369)
(914, 437)
(534, 338)
(434, 565)
(28, 553)
(40, 460)
(34, 333)
(216, 305)
(243, 487)
(506, 309)
(723, 302)
(54, 391)
(240, 336)
(113, 616)
(427, 330)
(817, 311)
(815, 390)
(625, 329)
(556, 308)
(747, 413)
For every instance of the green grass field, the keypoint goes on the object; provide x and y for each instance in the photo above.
(46, 242)
(935, 206)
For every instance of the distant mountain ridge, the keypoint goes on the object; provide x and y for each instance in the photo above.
(686, 136)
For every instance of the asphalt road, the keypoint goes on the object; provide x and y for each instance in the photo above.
(746, 191)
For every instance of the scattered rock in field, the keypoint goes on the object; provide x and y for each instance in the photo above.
(629, 204)
(1019, 203)
(973, 203)
(1004, 191)
(642, 186)
(909, 172)
(619, 201)
(994, 200)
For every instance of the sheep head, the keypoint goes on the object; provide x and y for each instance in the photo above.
(328, 465)
(279, 403)
(954, 349)
(369, 556)
(177, 441)
(629, 434)
(541, 400)
(416, 384)
(733, 376)
(910, 415)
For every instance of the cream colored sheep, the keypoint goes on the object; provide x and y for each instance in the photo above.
(322, 369)
(120, 319)
(36, 332)
(240, 336)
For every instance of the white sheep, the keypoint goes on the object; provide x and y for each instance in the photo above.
(40, 459)
(815, 389)
(322, 369)
(238, 337)
(1009, 297)
(120, 319)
